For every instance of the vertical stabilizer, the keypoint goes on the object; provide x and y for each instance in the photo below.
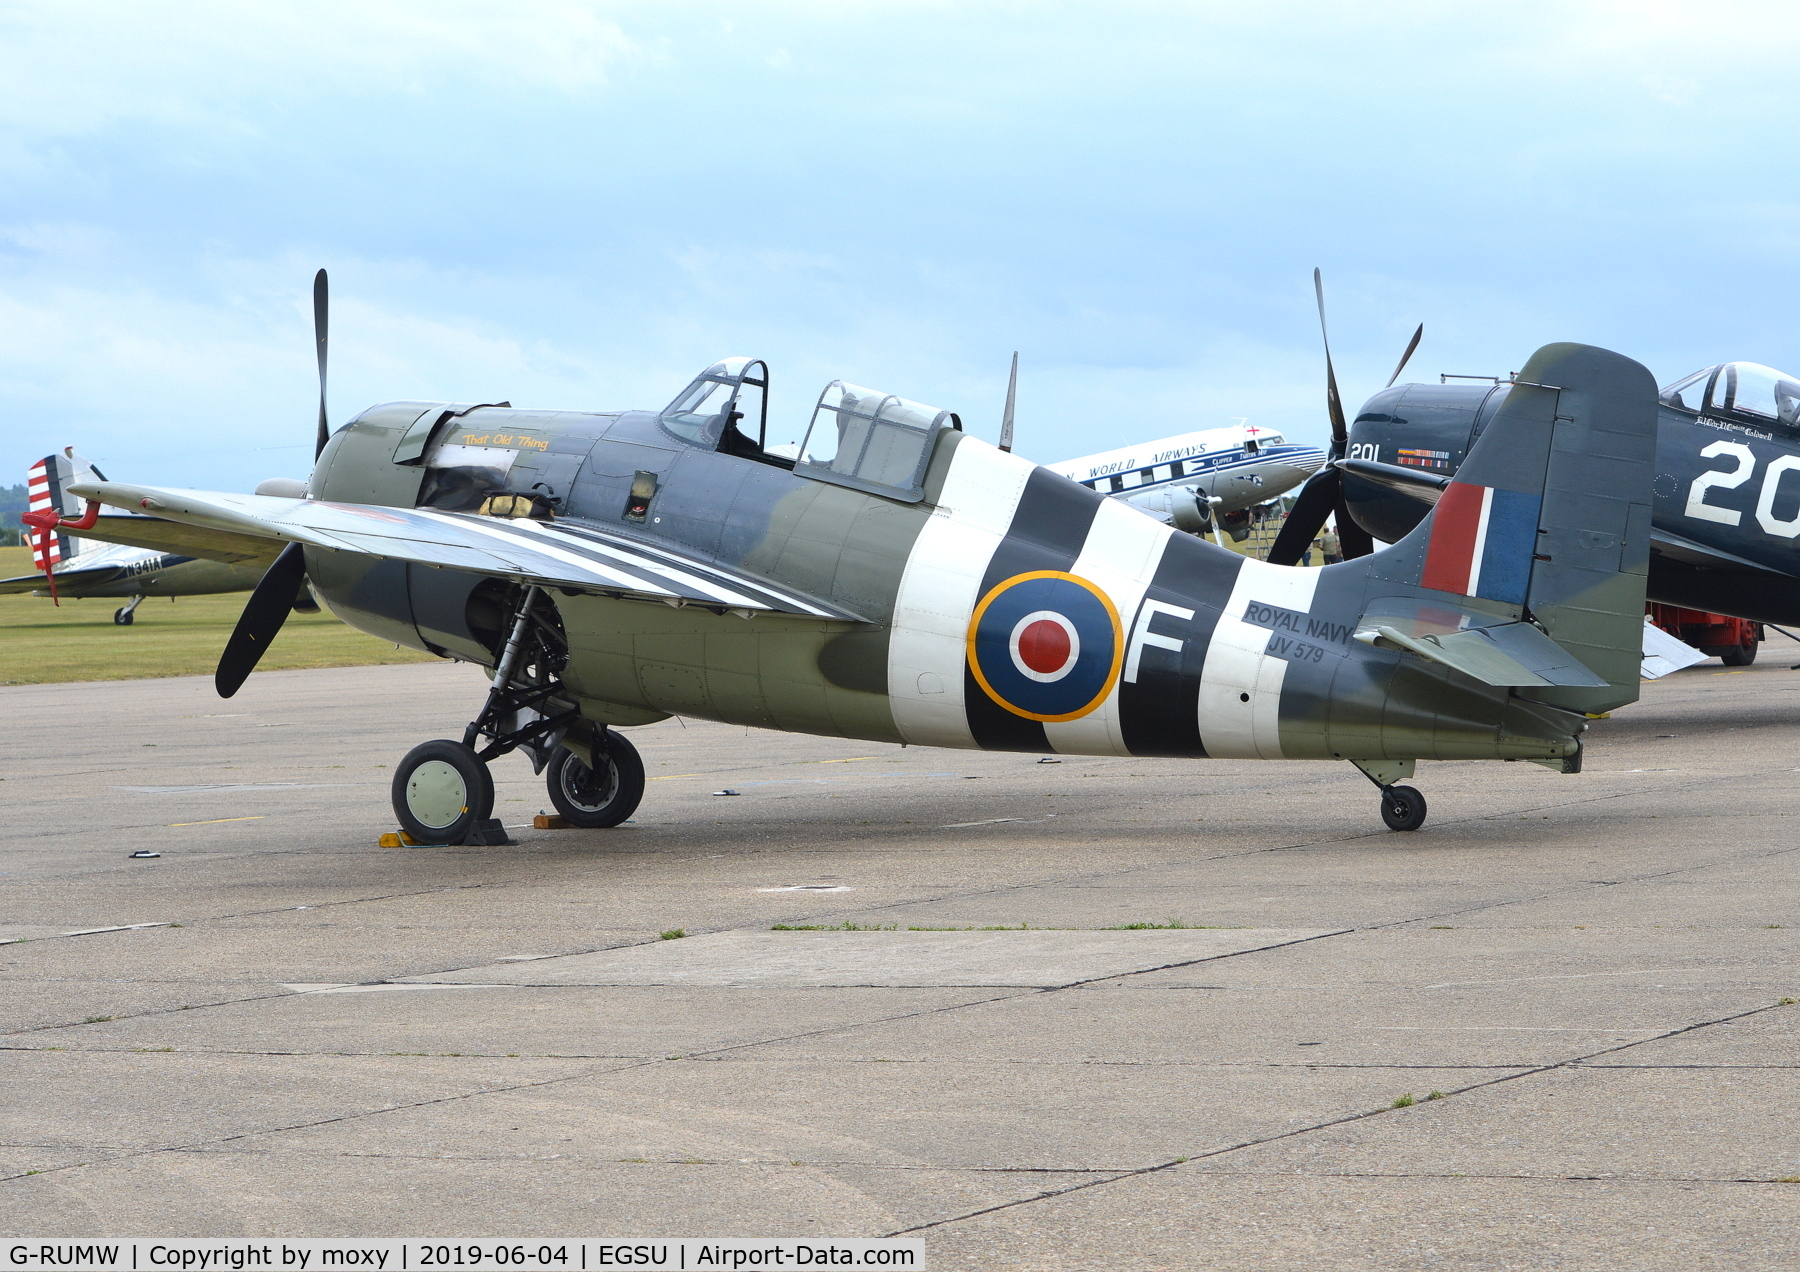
(1593, 556)
(1548, 519)
(46, 486)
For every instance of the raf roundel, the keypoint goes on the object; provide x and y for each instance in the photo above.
(1046, 645)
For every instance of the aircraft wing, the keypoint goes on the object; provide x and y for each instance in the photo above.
(231, 547)
(572, 554)
(69, 579)
(1411, 482)
(1663, 543)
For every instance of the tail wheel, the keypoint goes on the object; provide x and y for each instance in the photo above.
(1402, 808)
(440, 791)
(604, 795)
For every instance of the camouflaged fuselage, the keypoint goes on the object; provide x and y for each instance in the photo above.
(1013, 609)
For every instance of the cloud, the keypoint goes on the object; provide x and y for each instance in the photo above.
(74, 67)
(581, 204)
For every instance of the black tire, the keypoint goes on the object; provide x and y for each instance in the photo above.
(123, 617)
(1739, 655)
(596, 800)
(1402, 808)
(440, 791)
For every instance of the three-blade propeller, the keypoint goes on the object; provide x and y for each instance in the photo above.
(1322, 497)
(273, 600)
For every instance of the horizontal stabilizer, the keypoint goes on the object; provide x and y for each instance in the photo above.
(1664, 653)
(1509, 655)
(564, 553)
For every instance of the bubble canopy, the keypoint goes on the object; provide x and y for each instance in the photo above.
(872, 441)
(1746, 391)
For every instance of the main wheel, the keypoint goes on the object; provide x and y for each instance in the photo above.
(1402, 808)
(1741, 655)
(601, 796)
(440, 791)
(122, 617)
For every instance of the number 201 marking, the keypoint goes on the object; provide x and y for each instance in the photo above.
(1700, 510)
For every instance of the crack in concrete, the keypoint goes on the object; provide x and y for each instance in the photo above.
(1330, 1122)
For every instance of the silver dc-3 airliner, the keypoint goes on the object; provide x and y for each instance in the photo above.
(1191, 479)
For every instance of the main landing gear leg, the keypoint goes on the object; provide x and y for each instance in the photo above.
(443, 792)
(122, 615)
(1402, 807)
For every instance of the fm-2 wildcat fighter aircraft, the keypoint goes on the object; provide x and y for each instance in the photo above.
(68, 567)
(1727, 487)
(902, 581)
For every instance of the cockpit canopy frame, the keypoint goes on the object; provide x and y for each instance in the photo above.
(872, 441)
(710, 404)
(1745, 391)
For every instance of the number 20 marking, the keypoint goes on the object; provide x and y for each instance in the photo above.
(1700, 510)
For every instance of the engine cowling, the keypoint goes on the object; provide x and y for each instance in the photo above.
(1178, 506)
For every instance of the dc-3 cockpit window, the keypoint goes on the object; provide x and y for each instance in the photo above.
(872, 441)
(1746, 391)
(725, 407)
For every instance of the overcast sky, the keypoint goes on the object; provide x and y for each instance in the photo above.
(579, 205)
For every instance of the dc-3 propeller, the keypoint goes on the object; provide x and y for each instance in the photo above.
(1322, 497)
(273, 600)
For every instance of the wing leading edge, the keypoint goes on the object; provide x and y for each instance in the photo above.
(569, 554)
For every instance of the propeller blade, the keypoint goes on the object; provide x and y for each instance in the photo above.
(1353, 540)
(1407, 356)
(321, 325)
(1340, 434)
(1006, 420)
(264, 613)
(1322, 492)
